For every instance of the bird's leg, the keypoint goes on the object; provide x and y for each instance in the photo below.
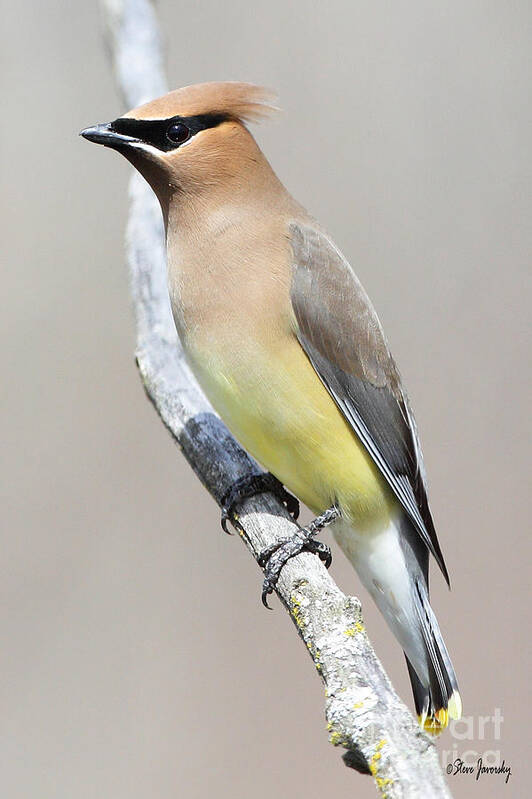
(250, 486)
(272, 559)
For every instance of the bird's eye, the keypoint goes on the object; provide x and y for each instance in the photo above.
(177, 133)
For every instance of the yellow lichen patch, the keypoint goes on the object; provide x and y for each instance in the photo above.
(356, 628)
(373, 763)
(295, 608)
(382, 783)
(317, 660)
(337, 739)
(358, 705)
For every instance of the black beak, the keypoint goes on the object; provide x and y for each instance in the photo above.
(104, 134)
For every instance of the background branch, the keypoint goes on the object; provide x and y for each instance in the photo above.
(364, 714)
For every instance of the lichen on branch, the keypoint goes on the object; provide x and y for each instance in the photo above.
(364, 715)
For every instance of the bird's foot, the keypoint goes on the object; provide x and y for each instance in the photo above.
(251, 486)
(273, 558)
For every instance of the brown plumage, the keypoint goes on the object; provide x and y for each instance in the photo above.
(289, 350)
(244, 102)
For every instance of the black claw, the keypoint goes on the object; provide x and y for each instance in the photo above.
(292, 505)
(290, 502)
(266, 554)
(223, 521)
(250, 487)
(266, 589)
(321, 550)
(273, 558)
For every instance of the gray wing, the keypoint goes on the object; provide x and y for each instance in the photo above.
(339, 330)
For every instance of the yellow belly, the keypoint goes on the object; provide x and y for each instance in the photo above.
(276, 406)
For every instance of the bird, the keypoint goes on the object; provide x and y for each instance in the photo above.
(288, 348)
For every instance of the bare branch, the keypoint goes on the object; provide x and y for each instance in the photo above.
(364, 714)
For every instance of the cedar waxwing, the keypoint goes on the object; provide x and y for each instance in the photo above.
(289, 350)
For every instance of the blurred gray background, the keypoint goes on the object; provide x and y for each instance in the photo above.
(136, 658)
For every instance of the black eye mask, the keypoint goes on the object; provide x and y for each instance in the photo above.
(155, 131)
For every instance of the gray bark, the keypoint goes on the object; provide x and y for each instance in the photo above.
(364, 714)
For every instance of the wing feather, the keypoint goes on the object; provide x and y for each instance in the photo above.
(340, 332)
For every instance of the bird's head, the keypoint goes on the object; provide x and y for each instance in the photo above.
(190, 139)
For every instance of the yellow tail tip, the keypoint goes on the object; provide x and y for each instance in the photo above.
(436, 723)
(455, 706)
(439, 720)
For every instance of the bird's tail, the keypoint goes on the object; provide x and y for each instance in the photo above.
(439, 700)
(393, 565)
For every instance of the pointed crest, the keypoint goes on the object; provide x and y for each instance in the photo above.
(241, 101)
